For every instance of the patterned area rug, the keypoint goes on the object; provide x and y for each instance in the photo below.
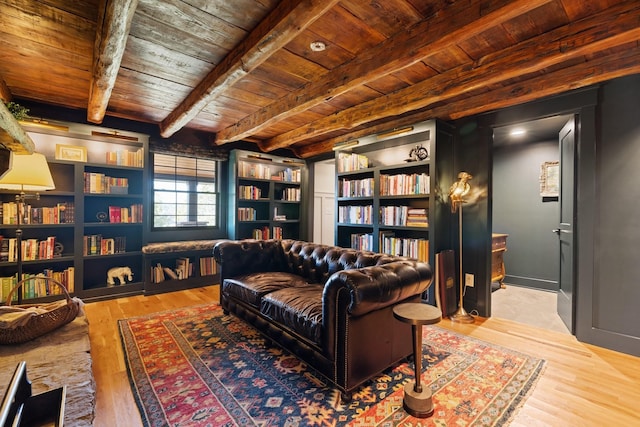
(198, 367)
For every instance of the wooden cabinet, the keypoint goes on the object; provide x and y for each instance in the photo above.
(94, 216)
(389, 192)
(266, 196)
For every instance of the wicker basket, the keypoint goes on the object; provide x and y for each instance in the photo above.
(43, 323)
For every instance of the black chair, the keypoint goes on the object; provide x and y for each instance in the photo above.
(21, 408)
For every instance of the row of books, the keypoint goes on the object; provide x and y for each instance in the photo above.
(247, 214)
(403, 216)
(348, 162)
(254, 170)
(126, 158)
(263, 171)
(402, 246)
(249, 192)
(99, 183)
(355, 187)
(287, 175)
(96, 244)
(32, 249)
(290, 194)
(61, 213)
(265, 233)
(208, 266)
(277, 232)
(39, 286)
(131, 214)
(183, 269)
(404, 184)
(362, 242)
(355, 214)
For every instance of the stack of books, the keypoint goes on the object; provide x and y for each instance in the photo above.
(417, 217)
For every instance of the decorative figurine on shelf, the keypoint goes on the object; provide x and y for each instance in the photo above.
(119, 273)
(58, 248)
(418, 153)
(102, 216)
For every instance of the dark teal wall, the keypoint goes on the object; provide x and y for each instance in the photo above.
(532, 258)
(616, 291)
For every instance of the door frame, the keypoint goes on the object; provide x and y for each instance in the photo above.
(581, 103)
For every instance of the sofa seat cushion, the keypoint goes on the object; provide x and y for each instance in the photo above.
(299, 308)
(250, 288)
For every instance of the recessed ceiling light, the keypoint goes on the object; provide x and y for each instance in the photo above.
(318, 46)
(517, 132)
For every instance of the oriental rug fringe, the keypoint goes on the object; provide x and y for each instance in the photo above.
(199, 367)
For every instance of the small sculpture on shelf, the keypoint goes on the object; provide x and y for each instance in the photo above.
(58, 248)
(120, 273)
(418, 153)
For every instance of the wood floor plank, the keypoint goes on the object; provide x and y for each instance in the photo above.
(582, 384)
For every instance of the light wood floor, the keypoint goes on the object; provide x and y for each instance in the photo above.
(582, 385)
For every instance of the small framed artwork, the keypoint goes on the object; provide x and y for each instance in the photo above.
(550, 179)
(74, 153)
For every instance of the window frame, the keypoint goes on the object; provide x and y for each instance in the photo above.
(193, 179)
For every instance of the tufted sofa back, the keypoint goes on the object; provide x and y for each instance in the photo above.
(316, 262)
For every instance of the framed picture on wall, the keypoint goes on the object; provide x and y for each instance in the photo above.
(71, 152)
(550, 179)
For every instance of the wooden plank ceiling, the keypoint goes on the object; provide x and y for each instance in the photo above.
(244, 69)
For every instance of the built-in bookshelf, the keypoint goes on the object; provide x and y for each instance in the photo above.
(91, 223)
(388, 190)
(183, 268)
(167, 271)
(266, 198)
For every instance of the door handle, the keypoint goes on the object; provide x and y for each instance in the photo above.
(558, 231)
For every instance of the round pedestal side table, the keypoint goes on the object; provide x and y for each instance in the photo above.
(417, 400)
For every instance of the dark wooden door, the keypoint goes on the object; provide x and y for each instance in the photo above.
(566, 300)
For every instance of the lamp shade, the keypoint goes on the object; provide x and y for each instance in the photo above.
(29, 172)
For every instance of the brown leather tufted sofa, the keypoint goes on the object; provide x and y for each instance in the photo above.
(330, 306)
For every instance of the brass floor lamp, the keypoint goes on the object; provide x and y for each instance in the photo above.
(458, 190)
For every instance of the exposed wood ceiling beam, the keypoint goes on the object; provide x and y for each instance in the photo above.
(623, 63)
(114, 24)
(619, 64)
(581, 38)
(5, 93)
(12, 135)
(458, 21)
(287, 20)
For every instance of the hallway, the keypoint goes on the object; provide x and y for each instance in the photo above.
(529, 306)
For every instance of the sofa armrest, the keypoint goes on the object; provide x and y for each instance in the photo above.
(375, 287)
(239, 257)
